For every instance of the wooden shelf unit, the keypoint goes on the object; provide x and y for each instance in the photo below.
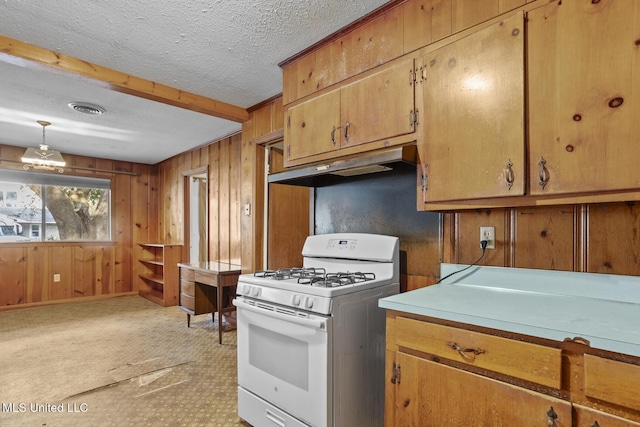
(158, 272)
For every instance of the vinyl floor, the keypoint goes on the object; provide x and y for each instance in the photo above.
(117, 362)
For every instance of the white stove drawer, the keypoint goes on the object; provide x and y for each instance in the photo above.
(260, 413)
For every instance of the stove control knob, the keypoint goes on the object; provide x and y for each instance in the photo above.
(255, 292)
(295, 300)
(309, 303)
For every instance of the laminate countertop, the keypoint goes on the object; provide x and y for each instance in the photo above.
(600, 308)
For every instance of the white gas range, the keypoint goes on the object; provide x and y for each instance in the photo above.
(311, 340)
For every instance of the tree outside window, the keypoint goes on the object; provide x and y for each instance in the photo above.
(67, 208)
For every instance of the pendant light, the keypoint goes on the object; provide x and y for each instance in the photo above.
(43, 158)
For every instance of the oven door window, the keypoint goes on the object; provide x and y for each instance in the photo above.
(286, 362)
(291, 366)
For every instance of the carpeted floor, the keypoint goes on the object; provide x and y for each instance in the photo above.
(117, 362)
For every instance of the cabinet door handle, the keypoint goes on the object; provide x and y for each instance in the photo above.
(551, 417)
(333, 135)
(595, 424)
(543, 173)
(346, 131)
(509, 174)
(395, 376)
(466, 352)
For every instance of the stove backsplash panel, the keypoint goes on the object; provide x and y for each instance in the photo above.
(383, 203)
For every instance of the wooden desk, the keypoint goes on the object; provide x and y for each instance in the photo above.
(202, 287)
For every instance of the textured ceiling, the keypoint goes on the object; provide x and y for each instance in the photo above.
(221, 49)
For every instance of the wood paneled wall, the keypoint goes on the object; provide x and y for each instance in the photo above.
(265, 124)
(595, 238)
(145, 208)
(87, 270)
(225, 168)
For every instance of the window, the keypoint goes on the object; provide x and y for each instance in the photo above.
(47, 207)
(35, 231)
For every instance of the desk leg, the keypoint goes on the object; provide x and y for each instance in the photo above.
(188, 320)
(219, 308)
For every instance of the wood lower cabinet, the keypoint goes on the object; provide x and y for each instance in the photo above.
(432, 394)
(377, 107)
(473, 96)
(523, 360)
(441, 373)
(587, 417)
(612, 381)
(584, 96)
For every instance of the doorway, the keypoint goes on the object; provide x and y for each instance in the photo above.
(196, 214)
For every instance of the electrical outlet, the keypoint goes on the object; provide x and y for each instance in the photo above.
(56, 277)
(488, 234)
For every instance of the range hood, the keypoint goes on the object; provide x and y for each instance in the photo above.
(320, 175)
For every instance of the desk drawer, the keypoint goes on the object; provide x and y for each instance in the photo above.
(187, 274)
(612, 381)
(206, 278)
(526, 361)
(188, 301)
(187, 287)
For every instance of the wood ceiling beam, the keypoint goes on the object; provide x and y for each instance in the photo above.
(25, 55)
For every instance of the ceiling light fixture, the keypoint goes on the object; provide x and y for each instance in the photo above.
(86, 108)
(43, 158)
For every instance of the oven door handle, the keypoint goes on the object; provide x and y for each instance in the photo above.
(316, 324)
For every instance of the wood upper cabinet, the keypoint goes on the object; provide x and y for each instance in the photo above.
(432, 394)
(377, 107)
(312, 127)
(584, 89)
(473, 96)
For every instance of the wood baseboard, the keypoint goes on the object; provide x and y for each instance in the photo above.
(65, 301)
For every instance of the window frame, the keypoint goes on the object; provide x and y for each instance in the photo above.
(49, 180)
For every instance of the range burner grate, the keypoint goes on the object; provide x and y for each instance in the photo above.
(316, 276)
(332, 280)
(291, 273)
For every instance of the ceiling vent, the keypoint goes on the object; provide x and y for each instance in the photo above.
(83, 107)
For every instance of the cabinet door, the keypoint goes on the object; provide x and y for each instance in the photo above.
(612, 381)
(474, 116)
(431, 394)
(313, 127)
(379, 106)
(584, 85)
(587, 417)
